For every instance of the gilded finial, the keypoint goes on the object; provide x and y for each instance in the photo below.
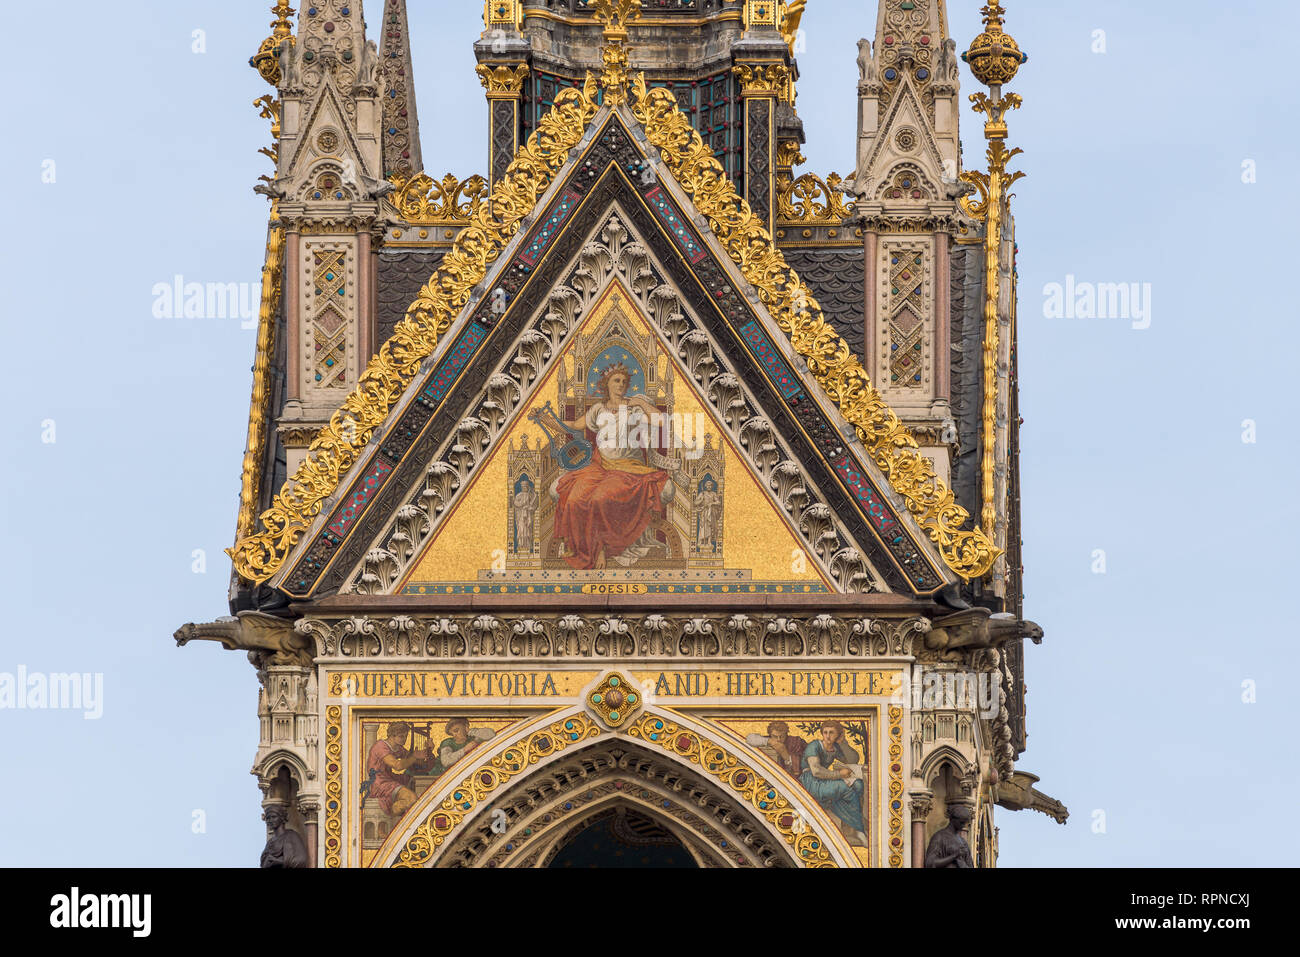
(266, 60)
(790, 22)
(994, 56)
(615, 15)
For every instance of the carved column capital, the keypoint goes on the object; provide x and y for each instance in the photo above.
(922, 804)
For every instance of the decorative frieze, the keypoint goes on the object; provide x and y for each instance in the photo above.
(720, 634)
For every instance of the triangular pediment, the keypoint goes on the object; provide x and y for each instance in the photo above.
(482, 335)
(904, 142)
(635, 487)
(326, 144)
(821, 517)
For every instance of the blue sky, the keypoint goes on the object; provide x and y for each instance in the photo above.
(1132, 445)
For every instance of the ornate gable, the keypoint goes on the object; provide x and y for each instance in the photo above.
(907, 146)
(831, 506)
(863, 518)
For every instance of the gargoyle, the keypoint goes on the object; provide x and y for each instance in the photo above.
(1018, 793)
(979, 628)
(254, 632)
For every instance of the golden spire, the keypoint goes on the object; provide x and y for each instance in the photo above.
(994, 58)
(266, 60)
(615, 15)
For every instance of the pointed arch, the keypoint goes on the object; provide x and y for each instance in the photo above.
(736, 798)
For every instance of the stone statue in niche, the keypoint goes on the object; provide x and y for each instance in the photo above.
(285, 847)
(948, 848)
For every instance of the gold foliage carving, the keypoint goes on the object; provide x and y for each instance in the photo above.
(770, 80)
(791, 303)
(259, 407)
(810, 200)
(502, 80)
(755, 790)
(258, 556)
(615, 15)
(790, 19)
(423, 201)
(788, 155)
(333, 785)
(895, 849)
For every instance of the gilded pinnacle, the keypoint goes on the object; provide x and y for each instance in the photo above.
(615, 15)
(994, 56)
(266, 60)
(282, 26)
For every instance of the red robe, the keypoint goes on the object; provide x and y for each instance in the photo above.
(386, 782)
(794, 746)
(602, 506)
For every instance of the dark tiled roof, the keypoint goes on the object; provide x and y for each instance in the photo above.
(967, 371)
(401, 274)
(837, 278)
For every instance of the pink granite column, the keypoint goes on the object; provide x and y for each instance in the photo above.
(292, 286)
(374, 295)
(365, 302)
(869, 304)
(942, 317)
(312, 849)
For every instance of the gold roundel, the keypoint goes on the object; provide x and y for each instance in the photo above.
(327, 141)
